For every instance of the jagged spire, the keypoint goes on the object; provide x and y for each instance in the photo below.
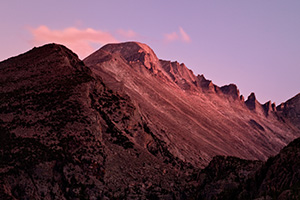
(251, 101)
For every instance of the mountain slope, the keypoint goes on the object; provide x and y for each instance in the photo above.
(195, 118)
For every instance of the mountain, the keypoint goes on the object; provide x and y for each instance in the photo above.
(195, 118)
(123, 124)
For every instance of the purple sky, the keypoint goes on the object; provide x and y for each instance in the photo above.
(254, 44)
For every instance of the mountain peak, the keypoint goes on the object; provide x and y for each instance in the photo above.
(134, 52)
(54, 48)
(49, 52)
(126, 48)
(252, 96)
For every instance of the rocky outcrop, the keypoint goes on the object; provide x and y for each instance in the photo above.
(242, 98)
(231, 90)
(251, 102)
(267, 110)
(204, 84)
(269, 107)
(180, 74)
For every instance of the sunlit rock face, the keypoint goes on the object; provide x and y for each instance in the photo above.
(194, 117)
(123, 124)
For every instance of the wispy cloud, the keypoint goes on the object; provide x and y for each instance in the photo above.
(184, 36)
(175, 36)
(79, 40)
(171, 37)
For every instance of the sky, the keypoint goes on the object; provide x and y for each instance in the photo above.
(253, 44)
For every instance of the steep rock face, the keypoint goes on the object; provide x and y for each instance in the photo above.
(233, 178)
(180, 74)
(269, 107)
(291, 110)
(66, 135)
(251, 102)
(195, 118)
(254, 106)
(205, 84)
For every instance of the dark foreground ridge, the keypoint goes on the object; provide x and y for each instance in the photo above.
(65, 135)
(234, 178)
(69, 131)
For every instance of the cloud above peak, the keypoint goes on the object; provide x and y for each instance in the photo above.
(180, 35)
(80, 41)
(84, 41)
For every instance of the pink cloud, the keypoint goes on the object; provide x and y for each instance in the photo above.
(129, 34)
(78, 40)
(184, 36)
(181, 35)
(171, 37)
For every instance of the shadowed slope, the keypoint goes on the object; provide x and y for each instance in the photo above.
(66, 135)
(233, 178)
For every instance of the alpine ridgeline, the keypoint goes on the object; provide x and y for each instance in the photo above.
(123, 124)
(194, 118)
